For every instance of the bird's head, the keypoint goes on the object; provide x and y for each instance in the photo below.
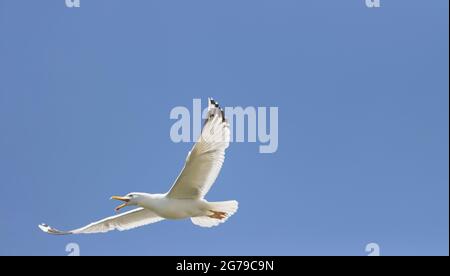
(129, 200)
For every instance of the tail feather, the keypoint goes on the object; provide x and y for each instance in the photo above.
(228, 207)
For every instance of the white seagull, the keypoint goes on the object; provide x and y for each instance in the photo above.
(186, 197)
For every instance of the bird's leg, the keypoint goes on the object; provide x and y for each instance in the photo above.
(217, 214)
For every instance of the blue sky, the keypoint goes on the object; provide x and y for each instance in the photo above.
(85, 97)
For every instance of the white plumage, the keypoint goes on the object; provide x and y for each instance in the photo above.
(128, 220)
(186, 197)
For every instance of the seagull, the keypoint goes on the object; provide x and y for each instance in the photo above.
(185, 199)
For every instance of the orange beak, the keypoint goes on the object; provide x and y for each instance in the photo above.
(121, 198)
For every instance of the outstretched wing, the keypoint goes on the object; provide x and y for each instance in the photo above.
(206, 158)
(128, 220)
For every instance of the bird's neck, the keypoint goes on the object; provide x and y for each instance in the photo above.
(149, 200)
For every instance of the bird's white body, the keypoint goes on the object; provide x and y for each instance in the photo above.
(186, 197)
(170, 208)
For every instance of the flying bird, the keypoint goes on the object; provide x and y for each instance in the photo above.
(185, 199)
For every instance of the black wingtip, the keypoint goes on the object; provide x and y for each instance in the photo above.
(50, 230)
(213, 102)
(215, 109)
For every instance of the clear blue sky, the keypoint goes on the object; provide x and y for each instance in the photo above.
(85, 96)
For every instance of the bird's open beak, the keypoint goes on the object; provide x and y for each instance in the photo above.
(121, 198)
